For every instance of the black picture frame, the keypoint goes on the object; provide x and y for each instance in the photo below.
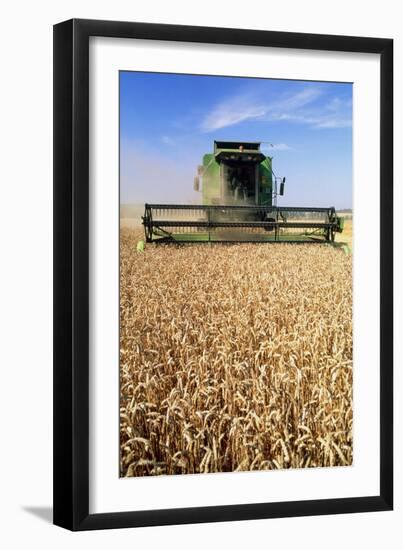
(71, 274)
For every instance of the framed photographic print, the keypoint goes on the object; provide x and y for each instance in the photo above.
(223, 217)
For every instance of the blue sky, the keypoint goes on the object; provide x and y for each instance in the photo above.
(168, 121)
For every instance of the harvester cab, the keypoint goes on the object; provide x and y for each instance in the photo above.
(239, 204)
(237, 173)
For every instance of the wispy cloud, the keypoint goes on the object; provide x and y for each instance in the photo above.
(232, 111)
(329, 121)
(167, 140)
(297, 100)
(307, 106)
(276, 147)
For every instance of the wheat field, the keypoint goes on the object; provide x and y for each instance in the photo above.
(234, 358)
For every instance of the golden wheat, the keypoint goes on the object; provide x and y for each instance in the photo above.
(234, 357)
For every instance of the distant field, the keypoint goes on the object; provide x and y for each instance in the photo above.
(347, 235)
(345, 213)
(130, 223)
(130, 214)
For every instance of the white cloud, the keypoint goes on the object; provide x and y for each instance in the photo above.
(333, 122)
(297, 100)
(230, 112)
(301, 107)
(276, 147)
(167, 140)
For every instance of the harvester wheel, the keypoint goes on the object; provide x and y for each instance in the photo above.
(268, 227)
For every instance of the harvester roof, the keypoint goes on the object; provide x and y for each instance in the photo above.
(243, 151)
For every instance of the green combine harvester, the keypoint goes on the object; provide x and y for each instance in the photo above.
(239, 204)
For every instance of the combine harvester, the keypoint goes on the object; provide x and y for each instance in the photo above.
(239, 204)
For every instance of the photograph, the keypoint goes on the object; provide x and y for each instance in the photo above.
(236, 253)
